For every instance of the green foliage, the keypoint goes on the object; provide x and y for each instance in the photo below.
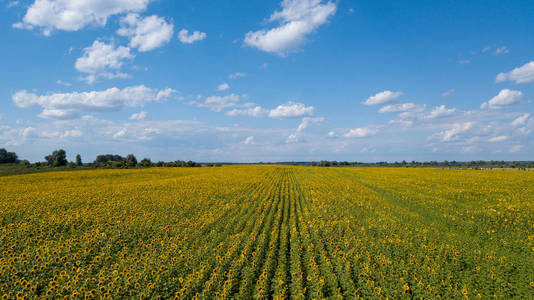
(131, 160)
(8, 157)
(104, 158)
(146, 163)
(58, 158)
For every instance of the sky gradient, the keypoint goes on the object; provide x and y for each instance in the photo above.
(249, 81)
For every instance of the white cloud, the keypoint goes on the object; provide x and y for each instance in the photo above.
(402, 122)
(103, 60)
(72, 133)
(521, 120)
(249, 140)
(29, 132)
(515, 148)
(138, 116)
(70, 105)
(12, 4)
(236, 75)
(402, 107)
(500, 138)
(119, 134)
(187, 38)
(502, 50)
(505, 98)
(523, 74)
(448, 93)
(147, 33)
(382, 98)
(291, 110)
(307, 121)
(440, 111)
(452, 134)
(65, 83)
(298, 18)
(292, 138)
(254, 112)
(223, 87)
(73, 15)
(360, 132)
(218, 103)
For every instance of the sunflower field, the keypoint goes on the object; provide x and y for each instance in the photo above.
(242, 232)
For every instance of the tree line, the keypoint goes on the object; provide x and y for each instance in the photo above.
(474, 164)
(58, 158)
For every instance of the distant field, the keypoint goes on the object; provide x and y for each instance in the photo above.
(17, 169)
(268, 231)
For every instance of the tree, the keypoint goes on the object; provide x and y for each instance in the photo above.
(102, 159)
(146, 162)
(8, 157)
(78, 160)
(131, 160)
(191, 164)
(57, 158)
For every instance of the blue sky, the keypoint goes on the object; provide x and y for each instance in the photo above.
(248, 81)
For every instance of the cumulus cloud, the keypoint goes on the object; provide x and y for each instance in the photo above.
(305, 123)
(254, 112)
(504, 99)
(29, 132)
(523, 74)
(440, 111)
(119, 134)
(187, 38)
(521, 120)
(138, 116)
(502, 50)
(452, 133)
(72, 133)
(147, 33)
(448, 93)
(73, 15)
(297, 19)
(103, 60)
(218, 103)
(402, 107)
(515, 148)
(223, 87)
(382, 98)
(500, 138)
(291, 110)
(65, 83)
(236, 75)
(249, 140)
(360, 132)
(11, 4)
(71, 105)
